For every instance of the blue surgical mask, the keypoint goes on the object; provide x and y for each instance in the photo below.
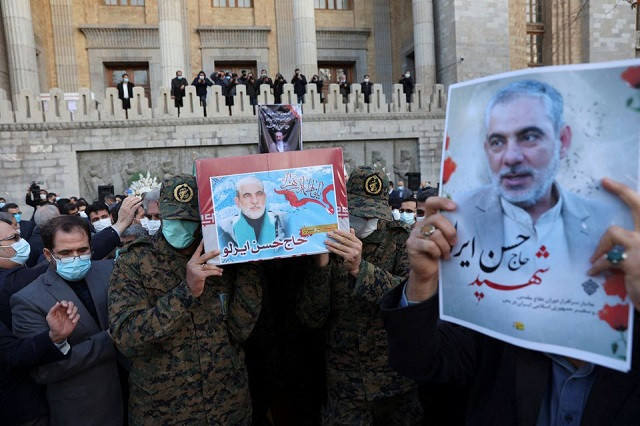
(2, 205)
(408, 218)
(179, 233)
(76, 269)
(17, 216)
(23, 249)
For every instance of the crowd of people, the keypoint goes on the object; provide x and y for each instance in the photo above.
(111, 313)
(228, 81)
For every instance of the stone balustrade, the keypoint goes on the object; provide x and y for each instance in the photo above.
(27, 108)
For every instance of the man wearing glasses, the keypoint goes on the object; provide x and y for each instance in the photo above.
(85, 385)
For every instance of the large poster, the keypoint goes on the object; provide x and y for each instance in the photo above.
(523, 158)
(266, 206)
(280, 128)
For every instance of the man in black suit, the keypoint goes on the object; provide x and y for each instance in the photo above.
(177, 90)
(84, 388)
(125, 91)
(21, 399)
(367, 88)
(509, 384)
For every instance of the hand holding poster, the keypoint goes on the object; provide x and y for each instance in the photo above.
(523, 158)
(267, 206)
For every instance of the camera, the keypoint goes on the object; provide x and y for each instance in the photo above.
(35, 191)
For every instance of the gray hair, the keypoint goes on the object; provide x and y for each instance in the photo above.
(7, 218)
(136, 231)
(153, 195)
(248, 179)
(44, 214)
(550, 97)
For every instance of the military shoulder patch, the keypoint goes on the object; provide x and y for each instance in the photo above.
(373, 185)
(183, 193)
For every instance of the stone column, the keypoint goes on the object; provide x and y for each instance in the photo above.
(423, 43)
(64, 44)
(304, 23)
(285, 37)
(171, 39)
(21, 46)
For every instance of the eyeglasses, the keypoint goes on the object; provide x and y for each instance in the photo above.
(13, 238)
(84, 255)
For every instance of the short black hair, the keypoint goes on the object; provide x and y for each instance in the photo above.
(95, 207)
(426, 193)
(9, 206)
(65, 208)
(66, 224)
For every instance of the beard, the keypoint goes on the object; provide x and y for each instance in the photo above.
(542, 181)
(254, 214)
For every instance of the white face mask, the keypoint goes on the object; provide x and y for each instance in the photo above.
(153, 226)
(366, 80)
(126, 80)
(43, 197)
(82, 214)
(408, 218)
(102, 224)
(396, 214)
(407, 75)
(22, 249)
(362, 227)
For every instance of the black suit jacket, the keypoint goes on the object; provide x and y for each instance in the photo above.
(21, 398)
(507, 383)
(35, 241)
(176, 83)
(126, 102)
(26, 229)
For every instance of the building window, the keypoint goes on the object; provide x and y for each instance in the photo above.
(534, 11)
(124, 2)
(333, 4)
(232, 3)
(535, 32)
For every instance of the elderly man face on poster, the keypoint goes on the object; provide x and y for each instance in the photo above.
(525, 140)
(253, 222)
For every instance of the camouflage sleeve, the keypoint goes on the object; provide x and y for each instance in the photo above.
(374, 282)
(314, 296)
(245, 302)
(135, 322)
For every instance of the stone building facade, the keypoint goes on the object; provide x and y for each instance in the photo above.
(52, 51)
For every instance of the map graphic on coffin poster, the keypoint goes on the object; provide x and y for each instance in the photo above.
(523, 157)
(267, 206)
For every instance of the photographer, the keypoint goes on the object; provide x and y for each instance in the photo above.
(278, 88)
(35, 195)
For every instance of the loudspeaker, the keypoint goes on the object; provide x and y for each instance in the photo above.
(413, 180)
(104, 190)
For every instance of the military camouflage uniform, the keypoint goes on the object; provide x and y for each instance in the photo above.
(362, 388)
(187, 364)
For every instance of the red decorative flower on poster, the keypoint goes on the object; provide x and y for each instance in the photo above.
(449, 168)
(617, 317)
(632, 76)
(614, 285)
